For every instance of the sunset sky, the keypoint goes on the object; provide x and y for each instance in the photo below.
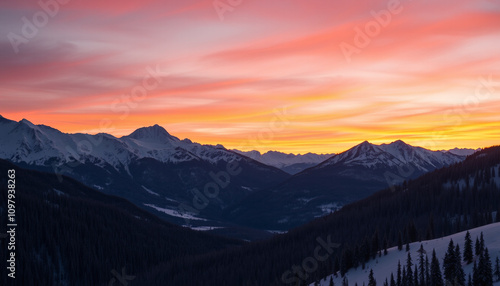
(294, 76)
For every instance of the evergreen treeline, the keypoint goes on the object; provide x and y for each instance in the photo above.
(443, 202)
(69, 234)
(453, 274)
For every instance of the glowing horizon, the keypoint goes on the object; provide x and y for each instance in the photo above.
(252, 143)
(304, 77)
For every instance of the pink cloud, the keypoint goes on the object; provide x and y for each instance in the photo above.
(265, 54)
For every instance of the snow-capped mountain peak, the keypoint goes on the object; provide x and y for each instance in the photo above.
(402, 151)
(364, 154)
(28, 123)
(397, 153)
(398, 144)
(365, 146)
(154, 133)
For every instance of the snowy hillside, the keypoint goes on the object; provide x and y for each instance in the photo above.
(387, 264)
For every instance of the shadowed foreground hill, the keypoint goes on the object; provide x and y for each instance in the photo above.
(69, 234)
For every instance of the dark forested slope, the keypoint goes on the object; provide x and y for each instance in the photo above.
(69, 234)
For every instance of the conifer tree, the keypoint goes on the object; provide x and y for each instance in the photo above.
(399, 278)
(421, 261)
(481, 242)
(404, 279)
(331, 282)
(485, 270)
(409, 271)
(497, 269)
(427, 271)
(468, 255)
(482, 273)
(449, 263)
(475, 275)
(393, 282)
(415, 276)
(459, 271)
(436, 279)
(477, 247)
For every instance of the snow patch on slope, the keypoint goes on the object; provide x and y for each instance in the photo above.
(149, 191)
(174, 213)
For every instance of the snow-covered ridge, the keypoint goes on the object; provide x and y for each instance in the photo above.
(281, 160)
(26, 142)
(462, 151)
(395, 154)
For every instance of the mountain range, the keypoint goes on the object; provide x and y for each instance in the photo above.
(72, 225)
(344, 178)
(188, 183)
(289, 163)
(153, 169)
